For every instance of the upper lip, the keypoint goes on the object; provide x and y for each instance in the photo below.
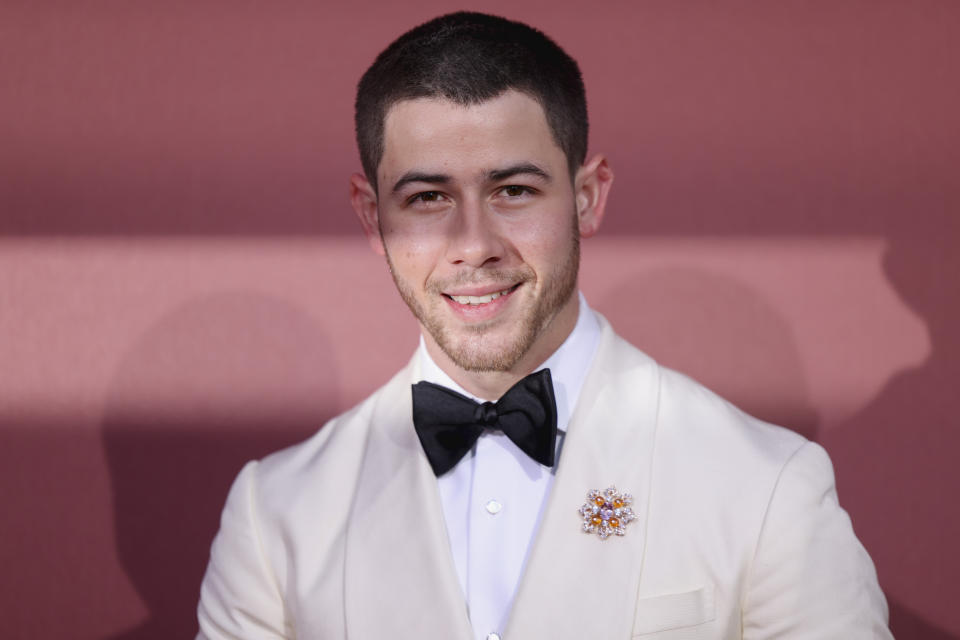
(484, 290)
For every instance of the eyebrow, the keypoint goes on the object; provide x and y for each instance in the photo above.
(524, 168)
(494, 175)
(418, 176)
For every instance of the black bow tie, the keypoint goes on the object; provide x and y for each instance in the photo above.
(448, 423)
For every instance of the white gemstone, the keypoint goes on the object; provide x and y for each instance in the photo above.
(493, 508)
(493, 636)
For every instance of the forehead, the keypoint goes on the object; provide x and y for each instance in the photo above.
(439, 135)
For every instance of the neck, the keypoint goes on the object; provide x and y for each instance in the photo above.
(490, 385)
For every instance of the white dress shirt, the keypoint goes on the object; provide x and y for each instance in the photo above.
(493, 498)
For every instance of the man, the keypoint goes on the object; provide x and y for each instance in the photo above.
(608, 498)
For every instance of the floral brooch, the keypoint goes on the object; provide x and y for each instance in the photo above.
(607, 512)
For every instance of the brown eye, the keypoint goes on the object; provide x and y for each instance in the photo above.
(425, 196)
(514, 190)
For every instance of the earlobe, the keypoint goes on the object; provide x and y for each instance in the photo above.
(592, 183)
(363, 197)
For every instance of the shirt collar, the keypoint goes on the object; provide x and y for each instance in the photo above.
(568, 364)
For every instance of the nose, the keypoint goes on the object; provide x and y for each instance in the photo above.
(474, 238)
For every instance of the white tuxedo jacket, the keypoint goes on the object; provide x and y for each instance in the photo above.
(739, 532)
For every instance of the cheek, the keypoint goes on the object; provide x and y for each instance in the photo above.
(548, 244)
(404, 240)
(413, 258)
(412, 248)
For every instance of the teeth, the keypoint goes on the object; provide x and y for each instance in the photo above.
(479, 299)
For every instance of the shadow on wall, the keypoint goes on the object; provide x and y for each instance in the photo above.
(908, 625)
(722, 333)
(220, 381)
(896, 460)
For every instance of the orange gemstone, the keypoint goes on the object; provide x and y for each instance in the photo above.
(598, 501)
(614, 523)
(597, 520)
(617, 503)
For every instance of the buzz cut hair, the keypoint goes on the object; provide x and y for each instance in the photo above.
(469, 58)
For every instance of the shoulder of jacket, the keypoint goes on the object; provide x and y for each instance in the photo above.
(332, 449)
(698, 417)
(694, 411)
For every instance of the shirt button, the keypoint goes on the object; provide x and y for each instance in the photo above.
(493, 636)
(493, 508)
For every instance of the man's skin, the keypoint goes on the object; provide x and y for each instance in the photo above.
(479, 200)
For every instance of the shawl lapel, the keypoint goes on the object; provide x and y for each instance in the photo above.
(593, 583)
(399, 578)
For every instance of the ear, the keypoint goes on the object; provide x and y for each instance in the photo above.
(363, 197)
(591, 185)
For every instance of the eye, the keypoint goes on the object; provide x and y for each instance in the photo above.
(425, 196)
(427, 200)
(515, 190)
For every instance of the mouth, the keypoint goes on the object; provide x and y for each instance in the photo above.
(477, 300)
(481, 299)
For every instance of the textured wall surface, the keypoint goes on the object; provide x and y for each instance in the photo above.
(183, 285)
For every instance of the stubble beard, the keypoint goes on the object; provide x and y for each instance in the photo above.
(475, 349)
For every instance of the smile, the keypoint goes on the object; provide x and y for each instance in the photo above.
(484, 299)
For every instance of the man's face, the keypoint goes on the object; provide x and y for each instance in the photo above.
(478, 219)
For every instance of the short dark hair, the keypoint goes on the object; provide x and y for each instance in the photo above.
(470, 58)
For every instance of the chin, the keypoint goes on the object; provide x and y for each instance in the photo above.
(484, 352)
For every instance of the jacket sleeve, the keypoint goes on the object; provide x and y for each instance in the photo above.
(239, 597)
(811, 577)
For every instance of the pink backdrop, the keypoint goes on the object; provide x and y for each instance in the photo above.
(183, 285)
